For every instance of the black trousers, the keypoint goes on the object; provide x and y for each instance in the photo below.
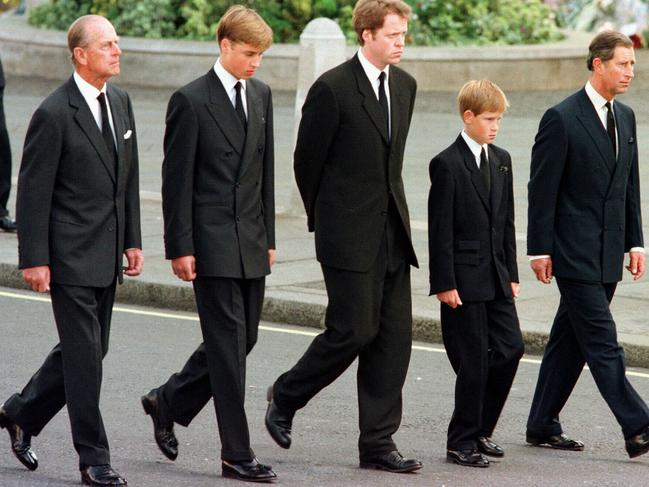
(369, 317)
(229, 310)
(5, 159)
(72, 372)
(584, 332)
(484, 345)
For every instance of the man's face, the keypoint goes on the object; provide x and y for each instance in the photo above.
(616, 73)
(385, 45)
(482, 128)
(99, 59)
(239, 59)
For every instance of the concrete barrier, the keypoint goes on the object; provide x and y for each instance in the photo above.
(28, 51)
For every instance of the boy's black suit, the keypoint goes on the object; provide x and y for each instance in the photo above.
(472, 247)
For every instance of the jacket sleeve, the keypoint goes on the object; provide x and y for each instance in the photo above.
(180, 146)
(268, 183)
(441, 204)
(633, 224)
(318, 126)
(133, 234)
(548, 160)
(38, 170)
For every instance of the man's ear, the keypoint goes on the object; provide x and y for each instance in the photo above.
(468, 116)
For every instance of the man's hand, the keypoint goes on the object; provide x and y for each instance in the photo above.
(184, 267)
(516, 289)
(38, 278)
(135, 260)
(636, 265)
(543, 269)
(451, 297)
(271, 257)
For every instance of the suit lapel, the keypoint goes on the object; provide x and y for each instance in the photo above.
(120, 129)
(497, 179)
(476, 177)
(255, 125)
(221, 109)
(89, 127)
(370, 102)
(593, 125)
(624, 135)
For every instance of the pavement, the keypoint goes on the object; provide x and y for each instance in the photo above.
(295, 290)
(147, 345)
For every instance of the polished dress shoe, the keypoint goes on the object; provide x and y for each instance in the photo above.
(20, 442)
(163, 430)
(467, 458)
(278, 422)
(101, 475)
(560, 442)
(7, 224)
(251, 471)
(392, 462)
(639, 444)
(487, 446)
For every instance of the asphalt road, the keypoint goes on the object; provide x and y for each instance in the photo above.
(147, 345)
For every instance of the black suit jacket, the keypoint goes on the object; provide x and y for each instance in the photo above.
(471, 234)
(584, 205)
(2, 77)
(346, 168)
(74, 212)
(217, 182)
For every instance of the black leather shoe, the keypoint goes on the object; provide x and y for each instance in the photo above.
(639, 444)
(278, 422)
(252, 471)
(467, 458)
(392, 462)
(560, 442)
(101, 475)
(7, 224)
(163, 430)
(488, 447)
(20, 442)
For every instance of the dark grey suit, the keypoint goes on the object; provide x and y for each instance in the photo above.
(5, 152)
(218, 205)
(584, 211)
(348, 171)
(77, 211)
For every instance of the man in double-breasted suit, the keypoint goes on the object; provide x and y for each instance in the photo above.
(219, 218)
(6, 223)
(348, 162)
(583, 215)
(79, 211)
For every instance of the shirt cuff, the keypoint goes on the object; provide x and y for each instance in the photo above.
(637, 249)
(536, 257)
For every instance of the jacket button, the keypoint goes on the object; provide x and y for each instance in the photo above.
(110, 229)
(238, 218)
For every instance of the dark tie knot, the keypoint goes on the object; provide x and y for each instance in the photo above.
(238, 87)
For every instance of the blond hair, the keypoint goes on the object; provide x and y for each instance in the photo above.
(242, 24)
(481, 96)
(370, 14)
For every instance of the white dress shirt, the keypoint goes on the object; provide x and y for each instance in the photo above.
(372, 73)
(228, 81)
(90, 94)
(475, 148)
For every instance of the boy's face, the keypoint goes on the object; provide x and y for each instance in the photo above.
(241, 60)
(482, 128)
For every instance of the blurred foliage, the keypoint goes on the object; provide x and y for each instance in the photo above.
(434, 22)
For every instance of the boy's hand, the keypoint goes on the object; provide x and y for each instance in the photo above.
(451, 297)
(543, 269)
(516, 289)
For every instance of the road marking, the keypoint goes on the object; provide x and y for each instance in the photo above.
(275, 329)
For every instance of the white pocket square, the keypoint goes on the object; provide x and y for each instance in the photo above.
(128, 134)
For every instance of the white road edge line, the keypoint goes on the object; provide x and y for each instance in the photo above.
(275, 329)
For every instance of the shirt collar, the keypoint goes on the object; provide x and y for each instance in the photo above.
(88, 91)
(226, 78)
(474, 147)
(371, 71)
(596, 99)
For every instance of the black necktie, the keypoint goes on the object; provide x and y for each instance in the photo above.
(238, 107)
(610, 126)
(484, 168)
(106, 132)
(383, 101)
